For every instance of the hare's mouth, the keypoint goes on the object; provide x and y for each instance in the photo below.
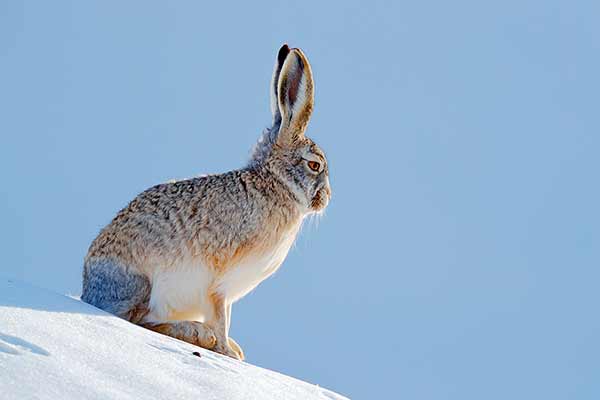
(321, 199)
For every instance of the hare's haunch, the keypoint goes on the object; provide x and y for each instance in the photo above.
(180, 254)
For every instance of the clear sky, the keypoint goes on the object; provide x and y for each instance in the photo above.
(460, 255)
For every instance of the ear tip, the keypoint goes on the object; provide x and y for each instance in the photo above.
(283, 53)
(300, 58)
(285, 50)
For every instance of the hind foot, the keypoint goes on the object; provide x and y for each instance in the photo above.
(193, 332)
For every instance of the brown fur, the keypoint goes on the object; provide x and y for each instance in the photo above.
(192, 332)
(217, 224)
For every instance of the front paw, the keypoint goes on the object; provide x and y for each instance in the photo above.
(236, 347)
(227, 350)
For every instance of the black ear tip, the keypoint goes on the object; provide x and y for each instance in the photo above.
(283, 52)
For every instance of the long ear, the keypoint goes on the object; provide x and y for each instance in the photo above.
(295, 93)
(281, 56)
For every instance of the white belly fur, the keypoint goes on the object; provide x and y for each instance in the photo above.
(242, 278)
(181, 292)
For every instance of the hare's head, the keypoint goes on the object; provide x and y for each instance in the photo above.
(284, 149)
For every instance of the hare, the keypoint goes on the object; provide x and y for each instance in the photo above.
(177, 257)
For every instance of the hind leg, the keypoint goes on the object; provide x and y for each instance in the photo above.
(126, 294)
(115, 289)
(192, 332)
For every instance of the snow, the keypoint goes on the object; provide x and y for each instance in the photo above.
(56, 347)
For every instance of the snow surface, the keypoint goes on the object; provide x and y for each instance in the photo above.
(57, 347)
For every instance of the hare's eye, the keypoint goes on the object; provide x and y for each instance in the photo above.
(314, 165)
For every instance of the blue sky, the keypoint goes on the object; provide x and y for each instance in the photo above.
(459, 257)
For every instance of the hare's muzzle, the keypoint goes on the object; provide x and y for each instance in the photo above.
(321, 198)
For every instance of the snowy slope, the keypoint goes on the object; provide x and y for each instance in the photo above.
(56, 347)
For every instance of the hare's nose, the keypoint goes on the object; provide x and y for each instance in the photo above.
(327, 187)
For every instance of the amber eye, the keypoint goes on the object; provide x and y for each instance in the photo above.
(314, 165)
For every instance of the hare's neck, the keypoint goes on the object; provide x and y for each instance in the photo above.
(288, 191)
(262, 149)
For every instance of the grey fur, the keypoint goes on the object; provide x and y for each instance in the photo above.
(263, 147)
(194, 247)
(112, 288)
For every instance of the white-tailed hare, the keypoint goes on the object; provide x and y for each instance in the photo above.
(180, 254)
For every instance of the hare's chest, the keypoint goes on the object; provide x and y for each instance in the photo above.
(249, 272)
